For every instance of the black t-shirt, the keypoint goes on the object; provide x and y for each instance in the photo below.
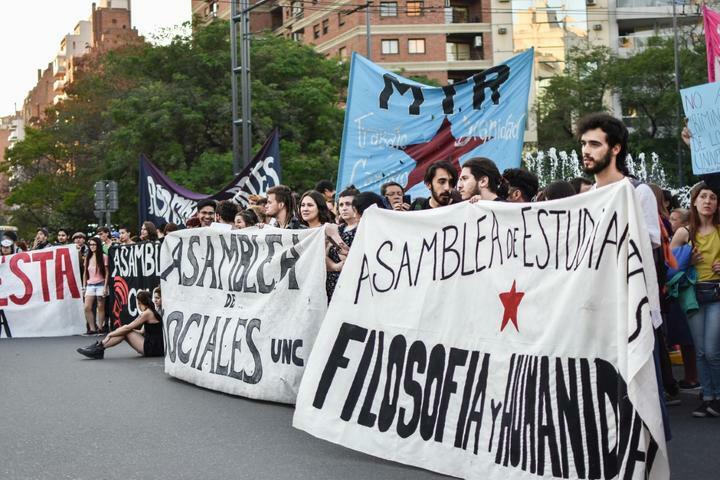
(420, 204)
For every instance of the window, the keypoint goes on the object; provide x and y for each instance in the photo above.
(341, 19)
(316, 31)
(388, 9)
(414, 8)
(390, 47)
(298, 36)
(416, 45)
(342, 53)
(460, 14)
(458, 51)
(325, 26)
(297, 9)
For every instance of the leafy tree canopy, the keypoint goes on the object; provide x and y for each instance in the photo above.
(173, 103)
(644, 85)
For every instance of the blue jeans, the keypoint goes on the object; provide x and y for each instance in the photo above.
(705, 329)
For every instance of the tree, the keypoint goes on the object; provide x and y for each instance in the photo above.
(644, 84)
(581, 89)
(173, 103)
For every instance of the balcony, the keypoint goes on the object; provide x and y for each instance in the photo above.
(639, 10)
(462, 52)
(59, 66)
(463, 11)
(59, 86)
(629, 45)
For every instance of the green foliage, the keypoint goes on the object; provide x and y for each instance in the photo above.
(645, 85)
(173, 103)
(582, 89)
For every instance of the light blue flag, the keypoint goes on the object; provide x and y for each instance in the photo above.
(395, 127)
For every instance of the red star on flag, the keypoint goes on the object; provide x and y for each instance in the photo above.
(510, 301)
(443, 146)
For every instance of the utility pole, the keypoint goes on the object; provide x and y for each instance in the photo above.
(241, 125)
(368, 38)
(678, 116)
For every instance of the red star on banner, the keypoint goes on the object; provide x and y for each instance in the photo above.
(510, 301)
(443, 146)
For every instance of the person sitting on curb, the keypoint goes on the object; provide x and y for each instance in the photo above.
(148, 342)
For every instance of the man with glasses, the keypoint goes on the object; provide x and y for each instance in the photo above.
(206, 212)
(394, 194)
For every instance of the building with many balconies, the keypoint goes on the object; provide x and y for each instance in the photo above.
(440, 39)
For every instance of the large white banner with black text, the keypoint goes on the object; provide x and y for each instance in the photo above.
(243, 308)
(40, 293)
(495, 340)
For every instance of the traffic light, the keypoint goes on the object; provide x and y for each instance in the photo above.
(112, 197)
(107, 198)
(100, 194)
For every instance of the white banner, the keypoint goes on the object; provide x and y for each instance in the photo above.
(495, 340)
(40, 293)
(243, 308)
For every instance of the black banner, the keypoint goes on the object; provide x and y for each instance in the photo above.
(162, 201)
(132, 268)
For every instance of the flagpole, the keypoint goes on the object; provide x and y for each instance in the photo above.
(676, 45)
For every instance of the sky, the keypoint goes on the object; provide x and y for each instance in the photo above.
(31, 31)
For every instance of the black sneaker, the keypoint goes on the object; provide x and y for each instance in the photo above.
(672, 400)
(95, 351)
(714, 408)
(703, 410)
(687, 386)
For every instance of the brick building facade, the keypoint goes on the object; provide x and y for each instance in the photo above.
(418, 37)
(108, 27)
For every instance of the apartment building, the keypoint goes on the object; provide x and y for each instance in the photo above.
(445, 40)
(636, 21)
(12, 130)
(108, 27)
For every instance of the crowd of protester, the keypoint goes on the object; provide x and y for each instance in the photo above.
(686, 244)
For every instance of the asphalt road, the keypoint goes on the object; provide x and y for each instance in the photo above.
(65, 417)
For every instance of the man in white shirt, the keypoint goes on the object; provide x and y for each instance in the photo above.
(603, 139)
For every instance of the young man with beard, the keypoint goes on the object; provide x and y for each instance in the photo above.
(280, 207)
(480, 179)
(603, 140)
(440, 178)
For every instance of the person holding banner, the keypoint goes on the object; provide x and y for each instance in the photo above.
(480, 179)
(95, 285)
(314, 211)
(280, 208)
(440, 178)
(704, 236)
(335, 256)
(144, 334)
